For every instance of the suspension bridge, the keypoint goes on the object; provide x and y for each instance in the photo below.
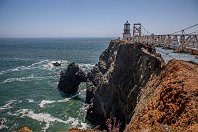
(179, 41)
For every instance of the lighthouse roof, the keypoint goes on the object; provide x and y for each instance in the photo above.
(127, 23)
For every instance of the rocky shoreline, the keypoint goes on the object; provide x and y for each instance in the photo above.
(132, 84)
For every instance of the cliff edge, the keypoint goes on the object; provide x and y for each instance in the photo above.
(169, 101)
(115, 83)
(131, 89)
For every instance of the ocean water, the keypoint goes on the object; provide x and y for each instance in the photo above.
(28, 81)
(168, 54)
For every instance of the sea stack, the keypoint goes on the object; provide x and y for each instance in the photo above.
(71, 78)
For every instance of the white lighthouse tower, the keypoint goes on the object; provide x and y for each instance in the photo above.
(127, 33)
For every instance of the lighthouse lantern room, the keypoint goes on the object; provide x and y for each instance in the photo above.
(126, 33)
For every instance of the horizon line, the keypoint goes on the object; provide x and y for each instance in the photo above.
(56, 37)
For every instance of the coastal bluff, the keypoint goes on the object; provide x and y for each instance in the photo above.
(115, 83)
(132, 83)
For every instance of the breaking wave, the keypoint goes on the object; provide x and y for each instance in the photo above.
(44, 102)
(86, 67)
(2, 123)
(48, 119)
(44, 64)
(23, 79)
(7, 105)
(22, 68)
(31, 101)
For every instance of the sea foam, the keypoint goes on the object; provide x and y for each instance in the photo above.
(39, 65)
(7, 105)
(44, 102)
(31, 101)
(47, 118)
(49, 65)
(23, 79)
(86, 67)
(46, 65)
(3, 123)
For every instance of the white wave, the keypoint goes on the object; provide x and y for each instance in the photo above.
(10, 70)
(46, 65)
(50, 66)
(86, 67)
(7, 105)
(43, 102)
(64, 100)
(84, 108)
(83, 125)
(19, 68)
(47, 118)
(14, 69)
(23, 59)
(39, 63)
(75, 123)
(31, 101)
(22, 68)
(23, 79)
(2, 123)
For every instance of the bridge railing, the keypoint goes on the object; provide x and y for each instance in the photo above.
(177, 42)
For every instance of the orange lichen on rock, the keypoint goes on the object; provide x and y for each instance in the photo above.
(24, 129)
(169, 102)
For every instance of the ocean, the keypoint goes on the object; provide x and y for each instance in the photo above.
(28, 81)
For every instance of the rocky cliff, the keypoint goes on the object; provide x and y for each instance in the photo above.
(115, 83)
(169, 101)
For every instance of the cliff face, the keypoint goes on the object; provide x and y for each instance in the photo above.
(169, 100)
(115, 83)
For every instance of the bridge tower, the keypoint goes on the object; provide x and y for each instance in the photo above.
(137, 29)
(127, 31)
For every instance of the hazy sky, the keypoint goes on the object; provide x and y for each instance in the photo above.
(93, 18)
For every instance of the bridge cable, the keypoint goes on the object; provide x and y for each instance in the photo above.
(185, 29)
(147, 32)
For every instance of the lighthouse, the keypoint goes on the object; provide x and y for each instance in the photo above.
(126, 33)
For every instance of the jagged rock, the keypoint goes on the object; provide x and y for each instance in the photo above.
(71, 78)
(56, 64)
(122, 71)
(90, 93)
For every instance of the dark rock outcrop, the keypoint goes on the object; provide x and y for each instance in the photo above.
(115, 82)
(71, 78)
(56, 64)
